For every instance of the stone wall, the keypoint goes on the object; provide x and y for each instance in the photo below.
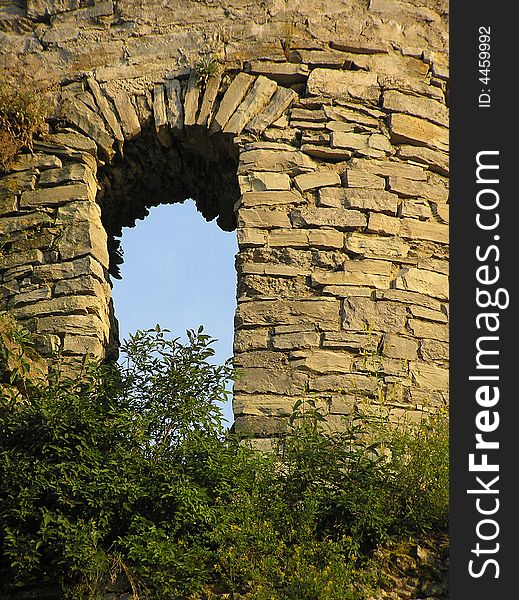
(322, 139)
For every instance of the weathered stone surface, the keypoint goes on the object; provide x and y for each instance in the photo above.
(426, 329)
(270, 381)
(80, 305)
(344, 84)
(15, 259)
(57, 195)
(325, 153)
(322, 361)
(383, 224)
(248, 236)
(264, 404)
(279, 102)
(299, 340)
(355, 178)
(74, 172)
(232, 99)
(408, 129)
(304, 238)
(258, 181)
(8, 205)
(323, 312)
(441, 211)
(359, 143)
(81, 324)
(250, 339)
(283, 73)
(273, 269)
(428, 313)
(423, 282)
(191, 100)
(408, 297)
(429, 376)
(354, 114)
(425, 108)
(355, 341)
(372, 246)
(341, 218)
(127, 114)
(173, 102)
(434, 350)
(350, 383)
(415, 209)
(24, 221)
(360, 45)
(89, 123)
(436, 160)
(255, 100)
(263, 218)
(40, 293)
(38, 160)
(406, 188)
(397, 346)
(372, 200)
(160, 115)
(288, 161)
(363, 314)
(84, 285)
(82, 344)
(318, 179)
(67, 270)
(105, 109)
(353, 277)
(41, 8)
(85, 237)
(424, 230)
(211, 90)
(270, 198)
(389, 168)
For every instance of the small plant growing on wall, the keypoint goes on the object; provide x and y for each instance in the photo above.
(208, 66)
(22, 113)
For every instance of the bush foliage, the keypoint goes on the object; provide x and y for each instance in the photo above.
(125, 475)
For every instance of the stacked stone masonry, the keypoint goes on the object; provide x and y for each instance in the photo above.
(327, 152)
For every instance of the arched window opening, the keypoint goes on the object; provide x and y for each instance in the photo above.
(178, 271)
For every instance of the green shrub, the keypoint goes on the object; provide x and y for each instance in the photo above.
(125, 473)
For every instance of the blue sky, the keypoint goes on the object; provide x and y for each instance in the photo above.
(178, 271)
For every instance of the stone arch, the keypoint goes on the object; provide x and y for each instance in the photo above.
(337, 189)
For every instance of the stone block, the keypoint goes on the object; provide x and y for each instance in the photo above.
(262, 218)
(432, 350)
(82, 344)
(67, 270)
(318, 179)
(408, 129)
(75, 172)
(406, 188)
(38, 160)
(429, 376)
(232, 98)
(425, 108)
(250, 339)
(383, 224)
(323, 312)
(351, 383)
(322, 361)
(263, 405)
(270, 198)
(81, 324)
(415, 209)
(351, 278)
(389, 168)
(129, 120)
(371, 246)
(90, 123)
(436, 160)
(16, 259)
(283, 73)
(248, 236)
(280, 160)
(356, 85)
(424, 230)
(340, 218)
(57, 196)
(351, 340)
(305, 238)
(325, 153)
(257, 380)
(261, 181)
(191, 100)
(397, 346)
(298, 340)
(355, 178)
(280, 101)
(362, 314)
(426, 329)
(371, 200)
(106, 110)
(211, 91)
(423, 282)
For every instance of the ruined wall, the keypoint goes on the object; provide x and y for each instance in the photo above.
(323, 139)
